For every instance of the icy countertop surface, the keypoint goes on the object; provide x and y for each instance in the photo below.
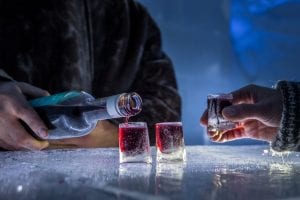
(210, 172)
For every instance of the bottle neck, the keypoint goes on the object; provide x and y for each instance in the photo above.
(129, 104)
(122, 105)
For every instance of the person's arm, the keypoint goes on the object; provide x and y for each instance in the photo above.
(156, 83)
(288, 137)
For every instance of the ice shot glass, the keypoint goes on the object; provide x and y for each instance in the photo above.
(134, 143)
(217, 124)
(169, 142)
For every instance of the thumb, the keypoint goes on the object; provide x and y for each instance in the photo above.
(32, 90)
(242, 112)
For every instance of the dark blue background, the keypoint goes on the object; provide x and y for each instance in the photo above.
(221, 45)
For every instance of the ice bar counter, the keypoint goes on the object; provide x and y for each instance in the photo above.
(210, 172)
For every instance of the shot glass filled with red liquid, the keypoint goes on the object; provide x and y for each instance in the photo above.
(217, 124)
(169, 141)
(134, 143)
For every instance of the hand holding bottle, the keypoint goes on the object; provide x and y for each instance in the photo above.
(257, 109)
(15, 110)
(75, 114)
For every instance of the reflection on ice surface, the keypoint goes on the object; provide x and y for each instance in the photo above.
(169, 178)
(135, 176)
(210, 172)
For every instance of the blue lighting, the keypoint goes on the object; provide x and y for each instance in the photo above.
(266, 34)
(259, 6)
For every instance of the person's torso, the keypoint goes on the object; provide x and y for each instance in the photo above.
(63, 45)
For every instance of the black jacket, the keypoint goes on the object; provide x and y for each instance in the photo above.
(104, 47)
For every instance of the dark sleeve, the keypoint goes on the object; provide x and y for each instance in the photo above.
(288, 136)
(156, 83)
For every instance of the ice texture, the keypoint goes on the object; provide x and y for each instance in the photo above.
(169, 142)
(210, 172)
(134, 142)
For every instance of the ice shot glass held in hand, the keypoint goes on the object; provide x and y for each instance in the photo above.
(169, 142)
(217, 124)
(134, 143)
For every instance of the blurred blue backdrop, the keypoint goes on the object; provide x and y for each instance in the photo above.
(221, 45)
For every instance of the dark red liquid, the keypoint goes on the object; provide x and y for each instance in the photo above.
(127, 120)
(168, 136)
(134, 139)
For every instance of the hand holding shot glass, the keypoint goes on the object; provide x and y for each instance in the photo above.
(217, 124)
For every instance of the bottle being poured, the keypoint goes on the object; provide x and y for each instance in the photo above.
(76, 113)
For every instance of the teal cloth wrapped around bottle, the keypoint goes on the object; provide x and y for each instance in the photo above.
(54, 99)
(75, 113)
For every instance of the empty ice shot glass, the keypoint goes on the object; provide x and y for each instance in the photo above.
(169, 142)
(134, 143)
(217, 124)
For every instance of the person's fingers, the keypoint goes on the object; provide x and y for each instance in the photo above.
(257, 130)
(252, 126)
(6, 146)
(244, 94)
(264, 133)
(212, 134)
(33, 144)
(204, 118)
(31, 118)
(32, 90)
(216, 137)
(15, 137)
(230, 135)
(241, 112)
(24, 141)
